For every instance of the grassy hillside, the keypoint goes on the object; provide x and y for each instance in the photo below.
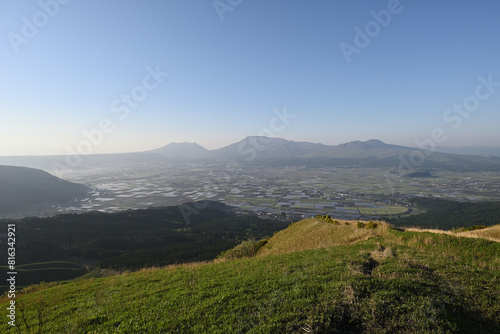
(369, 280)
(489, 233)
(315, 233)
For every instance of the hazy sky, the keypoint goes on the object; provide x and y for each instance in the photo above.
(137, 75)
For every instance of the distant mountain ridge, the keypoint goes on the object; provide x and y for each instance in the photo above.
(275, 151)
(22, 187)
(255, 147)
(182, 151)
(470, 150)
(260, 147)
(370, 153)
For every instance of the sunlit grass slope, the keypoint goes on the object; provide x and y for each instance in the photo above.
(490, 233)
(362, 280)
(318, 233)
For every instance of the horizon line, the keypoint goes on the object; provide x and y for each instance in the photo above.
(192, 142)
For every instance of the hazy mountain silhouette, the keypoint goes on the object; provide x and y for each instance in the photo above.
(182, 151)
(259, 148)
(372, 148)
(67, 162)
(275, 151)
(480, 150)
(371, 153)
(21, 188)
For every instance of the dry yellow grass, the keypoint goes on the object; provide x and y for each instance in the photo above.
(490, 233)
(416, 229)
(188, 265)
(315, 233)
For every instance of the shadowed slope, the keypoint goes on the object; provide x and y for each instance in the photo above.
(21, 188)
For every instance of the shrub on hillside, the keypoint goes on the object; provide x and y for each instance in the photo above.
(245, 249)
(472, 228)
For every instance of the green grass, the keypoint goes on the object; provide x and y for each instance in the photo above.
(395, 210)
(388, 210)
(258, 201)
(350, 208)
(311, 201)
(389, 282)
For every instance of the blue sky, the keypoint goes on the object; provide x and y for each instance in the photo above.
(67, 67)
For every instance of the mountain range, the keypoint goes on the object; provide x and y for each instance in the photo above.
(371, 153)
(274, 151)
(258, 147)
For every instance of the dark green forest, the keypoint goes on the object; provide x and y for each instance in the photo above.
(446, 214)
(134, 239)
